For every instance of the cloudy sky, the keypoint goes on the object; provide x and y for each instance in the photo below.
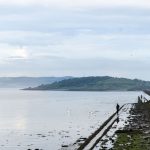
(75, 37)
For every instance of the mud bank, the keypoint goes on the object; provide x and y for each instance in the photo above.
(127, 130)
(135, 135)
(92, 141)
(108, 140)
(132, 132)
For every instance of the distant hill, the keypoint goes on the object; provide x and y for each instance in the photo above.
(104, 83)
(22, 82)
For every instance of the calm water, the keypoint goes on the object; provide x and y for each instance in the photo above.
(46, 120)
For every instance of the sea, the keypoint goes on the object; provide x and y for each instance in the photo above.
(47, 120)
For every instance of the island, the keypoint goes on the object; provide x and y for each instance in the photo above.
(95, 83)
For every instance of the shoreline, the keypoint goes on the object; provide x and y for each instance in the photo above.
(133, 134)
(88, 143)
(130, 129)
(137, 133)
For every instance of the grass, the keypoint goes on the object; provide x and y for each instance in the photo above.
(131, 141)
(136, 139)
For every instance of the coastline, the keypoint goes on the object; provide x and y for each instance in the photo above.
(137, 133)
(134, 131)
(130, 130)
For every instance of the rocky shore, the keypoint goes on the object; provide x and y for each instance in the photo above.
(133, 133)
(136, 134)
(130, 130)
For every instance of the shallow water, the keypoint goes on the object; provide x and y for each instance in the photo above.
(49, 119)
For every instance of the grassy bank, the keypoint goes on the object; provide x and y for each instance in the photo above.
(130, 141)
(135, 135)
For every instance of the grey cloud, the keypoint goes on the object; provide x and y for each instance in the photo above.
(75, 42)
(109, 20)
(79, 67)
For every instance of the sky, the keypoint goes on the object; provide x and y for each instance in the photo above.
(75, 38)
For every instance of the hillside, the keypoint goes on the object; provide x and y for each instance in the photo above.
(22, 82)
(104, 83)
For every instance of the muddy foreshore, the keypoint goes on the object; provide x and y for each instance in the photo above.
(130, 131)
(134, 133)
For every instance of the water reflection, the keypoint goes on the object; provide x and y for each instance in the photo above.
(51, 119)
(21, 124)
(117, 118)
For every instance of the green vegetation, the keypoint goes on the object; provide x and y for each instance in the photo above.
(131, 141)
(104, 83)
(135, 135)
